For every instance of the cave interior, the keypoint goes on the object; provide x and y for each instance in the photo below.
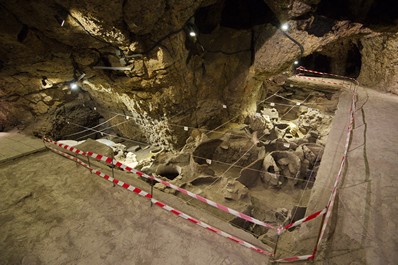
(205, 95)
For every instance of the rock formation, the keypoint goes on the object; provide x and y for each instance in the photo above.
(171, 78)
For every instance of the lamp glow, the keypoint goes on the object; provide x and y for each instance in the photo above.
(73, 86)
(192, 34)
(296, 62)
(285, 27)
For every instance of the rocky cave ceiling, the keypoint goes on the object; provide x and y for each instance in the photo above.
(170, 77)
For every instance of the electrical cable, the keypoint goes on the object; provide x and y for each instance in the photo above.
(120, 137)
(91, 127)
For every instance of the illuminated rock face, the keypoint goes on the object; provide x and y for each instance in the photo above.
(172, 78)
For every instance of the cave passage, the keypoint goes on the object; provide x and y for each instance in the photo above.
(317, 62)
(353, 62)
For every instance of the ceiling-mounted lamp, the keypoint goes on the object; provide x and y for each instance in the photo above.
(73, 86)
(285, 27)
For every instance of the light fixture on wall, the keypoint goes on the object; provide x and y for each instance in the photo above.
(192, 33)
(285, 27)
(73, 86)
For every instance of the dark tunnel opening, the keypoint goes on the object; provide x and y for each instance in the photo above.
(318, 62)
(353, 62)
(346, 60)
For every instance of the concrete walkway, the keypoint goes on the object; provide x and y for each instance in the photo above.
(367, 207)
(362, 229)
(14, 144)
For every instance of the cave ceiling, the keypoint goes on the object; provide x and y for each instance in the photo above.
(162, 74)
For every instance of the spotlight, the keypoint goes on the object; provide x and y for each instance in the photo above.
(285, 27)
(192, 33)
(73, 86)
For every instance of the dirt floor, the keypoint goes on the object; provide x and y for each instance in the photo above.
(53, 212)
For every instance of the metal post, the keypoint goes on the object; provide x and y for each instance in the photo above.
(151, 191)
(88, 161)
(319, 234)
(112, 166)
(276, 244)
(77, 164)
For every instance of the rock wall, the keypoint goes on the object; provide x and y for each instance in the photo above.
(171, 79)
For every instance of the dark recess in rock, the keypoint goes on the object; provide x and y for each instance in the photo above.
(338, 9)
(244, 14)
(364, 11)
(354, 62)
(320, 26)
(23, 33)
(208, 18)
(383, 12)
(317, 61)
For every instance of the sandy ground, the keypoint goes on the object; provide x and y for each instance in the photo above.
(53, 212)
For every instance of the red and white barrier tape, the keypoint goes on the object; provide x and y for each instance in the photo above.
(66, 147)
(295, 258)
(104, 176)
(184, 191)
(166, 207)
(302, 69)
(318, 80)
(339, 174)
(306, 219)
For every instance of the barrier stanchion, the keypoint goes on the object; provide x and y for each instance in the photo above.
(112, 167)
(152, 189)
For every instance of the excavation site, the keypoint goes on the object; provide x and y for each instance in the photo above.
(198, 132)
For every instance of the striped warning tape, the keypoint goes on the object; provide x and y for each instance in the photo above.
(184, 191)
(303, 69)
(306, 219)
(104, 176)
(166, 207)
(318, 80)
(66, 147)
(332, 198)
